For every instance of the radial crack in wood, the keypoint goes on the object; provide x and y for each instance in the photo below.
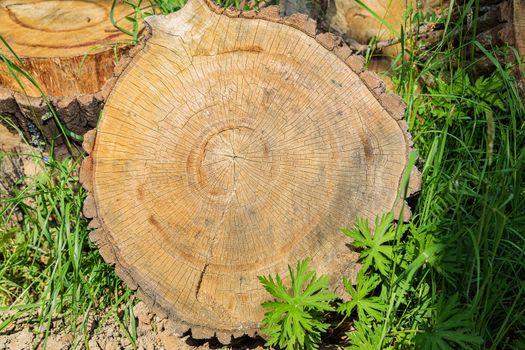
(231, 147)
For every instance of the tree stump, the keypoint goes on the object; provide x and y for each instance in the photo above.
(519, 25)
(70, 48)
(352, 19)
(499, 23)
(234, 144)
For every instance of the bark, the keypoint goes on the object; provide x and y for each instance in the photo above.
(518, 20)
(289, 7)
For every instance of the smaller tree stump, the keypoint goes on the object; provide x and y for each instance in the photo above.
(499, 23)
(350, 18)
(519, 25)
(70, 48)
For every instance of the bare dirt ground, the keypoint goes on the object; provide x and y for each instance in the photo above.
(153, 333)
(17, 166)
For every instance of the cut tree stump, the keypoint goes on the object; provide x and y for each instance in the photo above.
(233, 145)
(500, 23)
(70, 48)
(519, 25)
(352, 19)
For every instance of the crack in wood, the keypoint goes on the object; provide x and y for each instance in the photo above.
(214, 238)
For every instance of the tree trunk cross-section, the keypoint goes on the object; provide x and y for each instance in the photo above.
(233, 145)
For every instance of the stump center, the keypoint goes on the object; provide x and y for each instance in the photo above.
(229, 143)
(231, 161)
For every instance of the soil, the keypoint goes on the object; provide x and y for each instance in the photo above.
(19, 163)
(152, 333)
(15, 163)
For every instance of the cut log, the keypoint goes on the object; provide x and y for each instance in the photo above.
(70, 48)
(55, 37)
(519, 25)
(352, 19)
(234, 144)
(498, 24)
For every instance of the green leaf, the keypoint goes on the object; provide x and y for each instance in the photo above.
(368, 307)
(376, 249)
(294, 320)
(364, 337)
(450, 327)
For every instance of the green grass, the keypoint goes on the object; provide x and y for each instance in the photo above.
(473, 199)
(48, 266)
(471, 136)
(452, 277)
(471, 139)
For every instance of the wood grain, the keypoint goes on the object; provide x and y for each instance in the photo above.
(233, 145)
(519, 25)
(68, 46)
